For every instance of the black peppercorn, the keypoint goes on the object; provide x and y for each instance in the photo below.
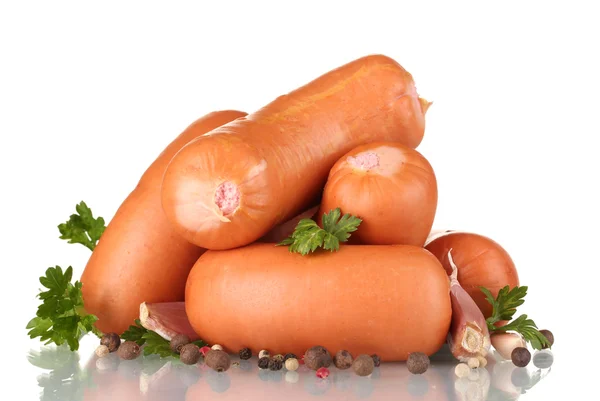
(520, 356)
(263, 362)
(111, 340)
(317, 357)
(189, 354)
(178, 341)
(376, 359)
(275, 364)
(288, 356)
(245, 354)
(549, 336)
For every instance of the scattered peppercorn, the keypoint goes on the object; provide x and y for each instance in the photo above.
(204, 350)
(102, 351)
(245, 354)
(322, 373)
(363, 365)
(548, 334)
(342, 359)
(279, 357)
(520, 356)
(263, 353)
(263, 363)
(217, 347)
(179, 341)
(288, 356)
(189, 354)
(376, 359)
(218, 360)
(291, 364)
(128, 350)
(417, 363)
(111, 340)
(317, 357)
(473, 363)
(275, 364)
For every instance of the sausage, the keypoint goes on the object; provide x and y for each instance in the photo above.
(391, 187)
(140, 258)
(480, 261)
(384, 299)
(278, 158)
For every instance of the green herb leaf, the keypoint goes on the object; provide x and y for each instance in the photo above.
(155, 344)
(504, 307)
(135, 332)
(82, 228)
(308, 236)
(61, 317)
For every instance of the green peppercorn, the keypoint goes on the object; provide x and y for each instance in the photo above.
(245, 354)
(275, 364)
(263, 363)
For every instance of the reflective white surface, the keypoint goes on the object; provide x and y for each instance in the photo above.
(65, 375)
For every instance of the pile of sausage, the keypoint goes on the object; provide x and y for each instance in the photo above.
(201, 223)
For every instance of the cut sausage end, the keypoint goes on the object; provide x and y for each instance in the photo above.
(364, 161)
(227, 197)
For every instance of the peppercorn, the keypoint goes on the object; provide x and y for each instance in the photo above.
(111, 340)
(417, 363)
(317, 357)
(291, 364)
(245, 354)
(128, 350)
(178, 341)
(363, 365)
(288, 356)
(462, 370)
(473, 363)
(482, 361)
(218, 360)
(342, 359)
(189, 354)
(549, 336)
(204, 350)
(263, 363)
(520, 357)
(376, 360)
(278, 357)
(102, 351)
(275, 364)
(322, 373)
(263, 353)
(217, 347)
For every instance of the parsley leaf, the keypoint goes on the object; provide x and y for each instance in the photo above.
(308, 236)
(82, 228)
(135, 332)
(504, 307)
(61, 317)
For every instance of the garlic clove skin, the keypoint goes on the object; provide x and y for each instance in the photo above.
(505, 343)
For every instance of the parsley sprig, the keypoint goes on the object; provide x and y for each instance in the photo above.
(504, 307)
(152, 342)
(61, 318)
(82, 228)
(308, 236)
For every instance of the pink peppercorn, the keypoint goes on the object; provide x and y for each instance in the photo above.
(204, 350)
(322, 373)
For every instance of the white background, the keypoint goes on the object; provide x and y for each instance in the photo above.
(90, 93)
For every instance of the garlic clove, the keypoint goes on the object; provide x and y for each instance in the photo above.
(505, 343)
(167, 319)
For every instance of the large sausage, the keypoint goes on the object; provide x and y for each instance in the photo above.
(391, 187)
(140, 258)
(228, 188)
(387, 299)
